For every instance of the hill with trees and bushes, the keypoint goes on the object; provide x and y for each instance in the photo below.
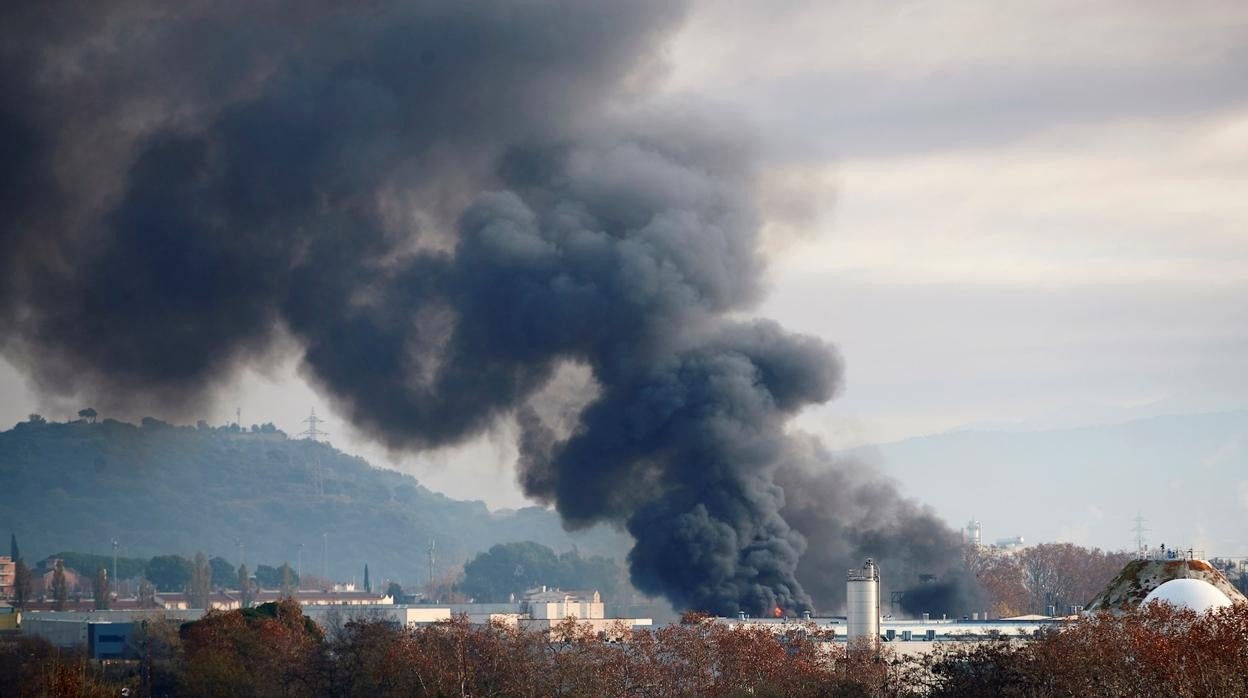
(160, 489)
(508, 569)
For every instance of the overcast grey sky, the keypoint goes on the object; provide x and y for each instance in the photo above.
(1027, 214)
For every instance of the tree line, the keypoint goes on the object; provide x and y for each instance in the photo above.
(497, 575)
(1043, 575)
(197, 578)
(274, 650)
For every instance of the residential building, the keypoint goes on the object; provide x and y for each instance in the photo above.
(8, 575)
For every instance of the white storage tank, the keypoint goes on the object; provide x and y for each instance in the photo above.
(862, 600)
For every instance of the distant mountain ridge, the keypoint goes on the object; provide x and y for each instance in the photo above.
(158, 488)
(1186, 474)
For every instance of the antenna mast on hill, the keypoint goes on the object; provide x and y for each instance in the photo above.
(1139, 530)
(313, 431)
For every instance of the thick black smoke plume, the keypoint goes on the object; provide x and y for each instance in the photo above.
(854, 513)
(438, 204)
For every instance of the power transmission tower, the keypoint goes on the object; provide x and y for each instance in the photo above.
(1139, 531)
(313, 431)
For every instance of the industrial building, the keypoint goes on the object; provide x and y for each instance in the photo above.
(101, 639)
(864, 626)
(104, 634)
(8, 576)
(1177, 579)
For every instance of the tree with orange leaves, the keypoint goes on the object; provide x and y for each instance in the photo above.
(272, 649)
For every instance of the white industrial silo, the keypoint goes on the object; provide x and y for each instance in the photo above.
(862, 603)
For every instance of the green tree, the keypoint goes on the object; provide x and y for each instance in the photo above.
(598, 573)
(368, 586)
(15, 553)
(269, 577)
(395, 591)
(60, 587)
(21, 584)
(169, 572)
(86, 563)
(88, 414)
(512, 568)
(222, 571)
(200, 591)
(99, 589)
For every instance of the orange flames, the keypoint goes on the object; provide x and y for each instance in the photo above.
(779, 612)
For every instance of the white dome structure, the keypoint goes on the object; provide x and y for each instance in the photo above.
(1196, 594)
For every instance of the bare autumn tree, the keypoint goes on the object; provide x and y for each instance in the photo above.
(32, 666)
(1000, 577)
(147, 594)
(272, 650)
(1063, 574)
(1157, 651)
(157, 645)
(99, 589)
(245, 590)
(287, 587)
(60, 587)
(22, 585)
(200, 591)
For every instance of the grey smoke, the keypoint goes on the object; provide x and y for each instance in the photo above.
(850, 512)
(438, 204)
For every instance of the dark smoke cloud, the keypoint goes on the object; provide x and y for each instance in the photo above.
(849, 512)
(209, 171)
(954, 596)
(682, 449)
(439, 205)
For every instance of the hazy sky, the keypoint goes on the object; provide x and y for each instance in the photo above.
(1002, 213)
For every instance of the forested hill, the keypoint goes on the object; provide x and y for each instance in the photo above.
(158, 489)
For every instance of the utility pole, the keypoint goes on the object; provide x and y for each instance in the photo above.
(114, 563)
(242, 550)
(299, 565)
(325, 557)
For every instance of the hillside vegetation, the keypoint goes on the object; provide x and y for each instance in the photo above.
(158, 488)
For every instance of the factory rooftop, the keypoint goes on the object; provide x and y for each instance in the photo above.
(892, 630)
